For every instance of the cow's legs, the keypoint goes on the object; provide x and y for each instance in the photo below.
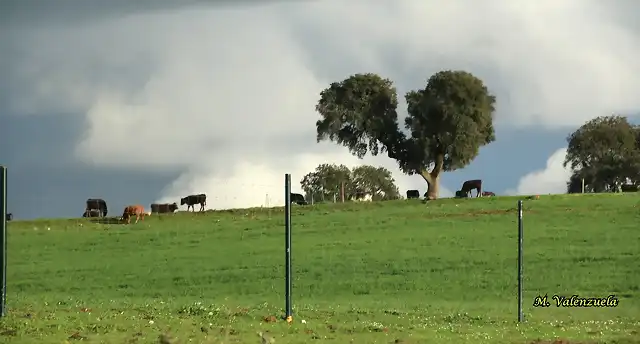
(201, 206)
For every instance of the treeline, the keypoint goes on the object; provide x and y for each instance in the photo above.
(605, 153)
(331, 182)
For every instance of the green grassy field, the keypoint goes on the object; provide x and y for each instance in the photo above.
(389, 272)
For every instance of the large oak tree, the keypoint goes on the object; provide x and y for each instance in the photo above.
(447, 123)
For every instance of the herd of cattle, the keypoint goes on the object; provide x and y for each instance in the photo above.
(464, 192)
(97, 207)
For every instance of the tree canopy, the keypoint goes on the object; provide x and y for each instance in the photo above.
(326, 181)
(374, 181)
(605, 152)
(447, 123)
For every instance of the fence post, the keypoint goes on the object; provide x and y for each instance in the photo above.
(3, 241)
(287, 243)
(520, 262)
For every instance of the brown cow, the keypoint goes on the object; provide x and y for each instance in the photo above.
(470, 185)
(164, 208)
(487, 194)
(137, 210)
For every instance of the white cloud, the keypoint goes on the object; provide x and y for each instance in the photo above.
(550, 180)
(226, 95)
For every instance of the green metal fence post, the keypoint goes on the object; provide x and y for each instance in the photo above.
(3, 241)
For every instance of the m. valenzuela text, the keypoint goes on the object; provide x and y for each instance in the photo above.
(576, 301)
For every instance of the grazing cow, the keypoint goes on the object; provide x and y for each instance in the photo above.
(96, 207)
(192, 200)
(487, 194)
(298, 199)
(137, 210)
(471, 185)
(164, 208)
(413, 194)
(92, 213)
(9, 217)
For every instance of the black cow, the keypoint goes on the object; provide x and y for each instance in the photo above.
(298, 199)
(9, 217)
(96, 207)
(469, 185)
(91, 213)
(628, 188)
(164, 208)
(192, 200)
(413, 194)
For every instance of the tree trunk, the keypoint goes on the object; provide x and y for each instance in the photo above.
(433, 179)
(434, 188)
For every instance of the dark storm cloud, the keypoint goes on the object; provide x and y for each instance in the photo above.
(39, 141)
(21, 14)
(46, 181)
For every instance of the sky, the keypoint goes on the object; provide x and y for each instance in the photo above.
(138, 102)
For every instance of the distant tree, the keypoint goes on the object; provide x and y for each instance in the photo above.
(375, 181)
(325, 182)
(448, 121)
(604, 151)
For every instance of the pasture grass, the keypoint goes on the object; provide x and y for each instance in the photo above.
(388, 272)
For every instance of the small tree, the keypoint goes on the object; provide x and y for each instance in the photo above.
(375, 181)
(448, 121)
(604, 151)
(325, 182)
